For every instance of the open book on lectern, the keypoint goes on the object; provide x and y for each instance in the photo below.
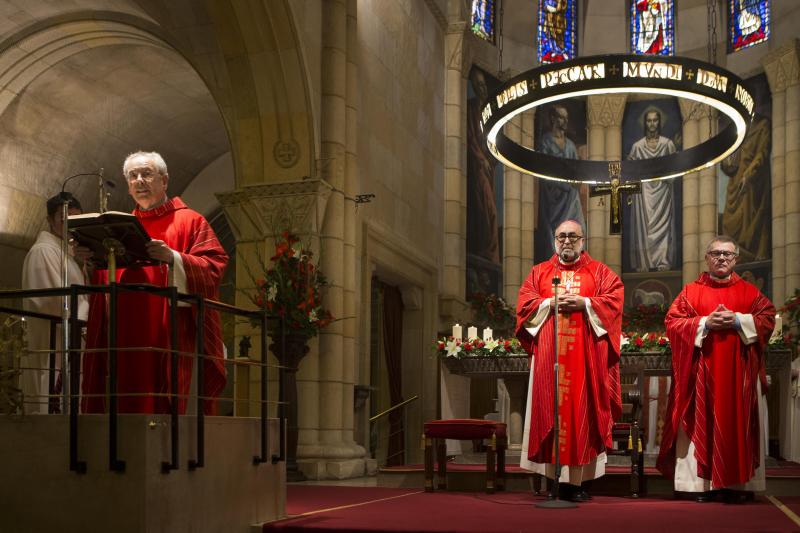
(123, 231)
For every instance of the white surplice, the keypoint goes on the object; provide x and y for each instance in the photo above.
(42, 270)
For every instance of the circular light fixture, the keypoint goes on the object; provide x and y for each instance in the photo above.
(674, 76)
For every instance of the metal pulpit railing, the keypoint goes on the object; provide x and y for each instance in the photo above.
(71, 366)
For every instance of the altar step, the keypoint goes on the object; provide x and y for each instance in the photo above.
(783, 477)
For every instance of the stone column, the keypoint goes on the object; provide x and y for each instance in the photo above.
(454, 273)
(332, 456)
(351, 189)
(597, 222)
(691, 195)
(699, 190)
(528, 209)
(707, 203)
(512, 220)
(783, 74)
(605, 129)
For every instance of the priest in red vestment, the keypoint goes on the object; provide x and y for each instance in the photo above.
(718, 327)
(589, 331)
(191, 259)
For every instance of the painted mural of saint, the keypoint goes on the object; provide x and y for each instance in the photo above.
(653, 232)
(558, 201)
(746, 216)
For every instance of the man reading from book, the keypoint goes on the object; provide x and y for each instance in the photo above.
(190, 258)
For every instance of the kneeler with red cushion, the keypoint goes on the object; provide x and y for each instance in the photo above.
(437, 431)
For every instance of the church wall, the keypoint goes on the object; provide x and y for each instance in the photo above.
(401, 120)
(400, 146)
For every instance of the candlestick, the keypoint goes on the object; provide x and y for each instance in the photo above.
(472, 333)
(778, 326)
(487, 334)
(457, 332)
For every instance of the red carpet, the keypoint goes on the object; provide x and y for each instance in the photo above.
(784, 469)
(380, 509)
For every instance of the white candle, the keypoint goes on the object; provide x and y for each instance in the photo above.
(487, 334)
(472, 333)
(778, 326)
(457, 332)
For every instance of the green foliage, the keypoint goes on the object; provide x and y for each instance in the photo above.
(492, 311)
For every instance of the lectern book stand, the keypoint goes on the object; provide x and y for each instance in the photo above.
(116, 239)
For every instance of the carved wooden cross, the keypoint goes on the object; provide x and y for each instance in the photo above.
(615, 188)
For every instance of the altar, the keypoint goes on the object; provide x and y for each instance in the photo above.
(511, 374)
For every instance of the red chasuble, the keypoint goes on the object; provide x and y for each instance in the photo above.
(143, 320)
(713, 394)
(589, 394)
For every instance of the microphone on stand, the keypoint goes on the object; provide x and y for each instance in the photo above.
(68, 198)
(556, 503)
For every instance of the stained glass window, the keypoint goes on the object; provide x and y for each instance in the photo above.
(748, 23)
(557, 30)
(653, 27)
(483, 19)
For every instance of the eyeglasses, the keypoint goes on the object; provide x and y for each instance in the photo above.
(146, 174)
(716, 254)
(572, 237)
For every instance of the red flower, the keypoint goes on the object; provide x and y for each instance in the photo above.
(638, 342)
(662, 341)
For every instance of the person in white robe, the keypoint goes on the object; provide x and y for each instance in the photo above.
(42, 270)
(653, 229)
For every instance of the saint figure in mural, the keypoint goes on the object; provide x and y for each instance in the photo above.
(482, 219)
(747, 216)
(558, 201)
(652, 23)
(653, 232)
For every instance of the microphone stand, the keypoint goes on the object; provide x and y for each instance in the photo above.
(66, 371)
(65, 312)
(555, 503)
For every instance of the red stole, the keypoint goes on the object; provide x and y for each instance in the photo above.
(588, 393)
(714, 389)
(144, 381)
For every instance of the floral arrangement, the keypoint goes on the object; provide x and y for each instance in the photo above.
(458, 348)
(790, 314)
(643, 330)
(634, 342)
(291, 287)
(492, 311)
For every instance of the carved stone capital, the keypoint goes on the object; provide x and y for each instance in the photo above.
(606, 110)
(692, 110)
(255, 212)
(783, 66)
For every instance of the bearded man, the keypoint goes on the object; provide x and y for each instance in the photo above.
(589, 331)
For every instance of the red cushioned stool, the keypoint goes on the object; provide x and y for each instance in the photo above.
(437, 431)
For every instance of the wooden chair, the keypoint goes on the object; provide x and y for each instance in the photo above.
(437, 431)
(629, 431)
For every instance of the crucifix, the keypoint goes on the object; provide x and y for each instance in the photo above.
(615, 188)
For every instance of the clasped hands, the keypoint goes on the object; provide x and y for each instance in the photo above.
(721, 318)
(568, 303)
